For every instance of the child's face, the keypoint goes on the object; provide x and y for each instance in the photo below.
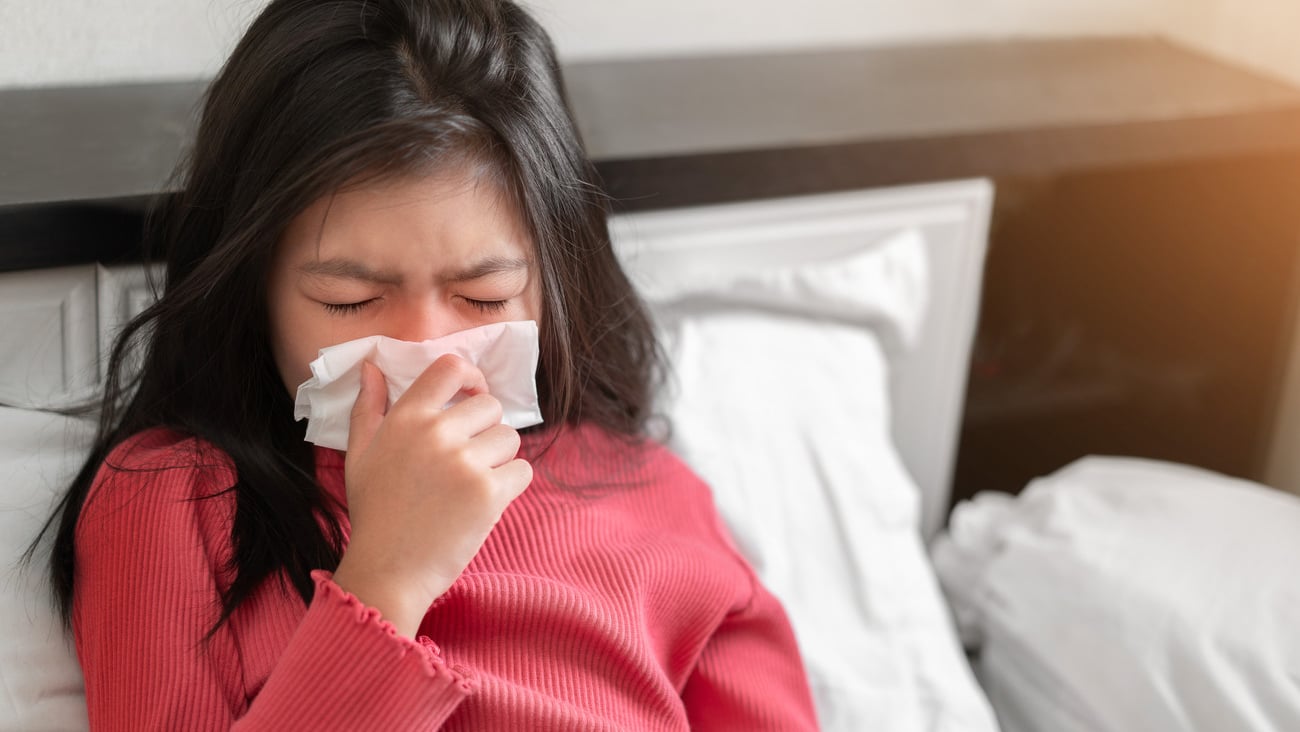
(412, 259)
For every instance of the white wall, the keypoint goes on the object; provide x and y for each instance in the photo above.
(56, 42)
(1256, 33)
(60, 42)
(617, 28)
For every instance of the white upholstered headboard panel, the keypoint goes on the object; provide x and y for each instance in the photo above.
(57, 322)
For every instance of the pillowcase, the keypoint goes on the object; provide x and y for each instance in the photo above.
(1125, 594)
(39, 455)
(779, 400)
(882, 285)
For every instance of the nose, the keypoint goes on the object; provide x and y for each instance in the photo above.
(422, 320)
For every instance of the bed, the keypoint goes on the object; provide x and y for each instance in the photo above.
(820, 348)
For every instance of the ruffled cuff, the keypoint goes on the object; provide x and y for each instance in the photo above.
(348, 668)
(423, 647)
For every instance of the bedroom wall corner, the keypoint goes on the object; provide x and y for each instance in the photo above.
(1259, 34)
(1282, 462)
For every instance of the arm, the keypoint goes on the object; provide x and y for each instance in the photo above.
(148, 557)
(347, 669)
(750, 675)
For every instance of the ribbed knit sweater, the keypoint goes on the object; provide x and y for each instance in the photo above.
(608, 597)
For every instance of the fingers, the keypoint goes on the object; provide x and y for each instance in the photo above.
(474, 415)
(495, 446)
(368, 410)
(515, 476)
(443, 380)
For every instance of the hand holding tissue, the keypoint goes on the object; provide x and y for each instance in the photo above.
(506, 353)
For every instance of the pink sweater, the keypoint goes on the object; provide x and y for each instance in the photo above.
(621, 608)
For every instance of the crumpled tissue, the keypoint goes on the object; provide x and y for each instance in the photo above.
(505, 352)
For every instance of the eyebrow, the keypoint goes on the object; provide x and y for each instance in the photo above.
(349, 270)
(353, 270)
(486, 266)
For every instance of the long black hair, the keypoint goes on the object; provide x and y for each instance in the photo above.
(318, 95)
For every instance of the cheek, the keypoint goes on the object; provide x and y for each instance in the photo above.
(295, 339)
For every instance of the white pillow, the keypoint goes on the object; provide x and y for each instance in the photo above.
(883, 284)
(39, 674)
(780, 402)
(1124, 594)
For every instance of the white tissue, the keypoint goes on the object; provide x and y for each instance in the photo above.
(506, 353)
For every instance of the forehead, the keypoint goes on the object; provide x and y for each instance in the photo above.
(445, 220)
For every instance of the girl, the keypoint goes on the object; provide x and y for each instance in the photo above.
(407, 168)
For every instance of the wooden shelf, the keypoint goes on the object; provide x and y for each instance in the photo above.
(682, 131)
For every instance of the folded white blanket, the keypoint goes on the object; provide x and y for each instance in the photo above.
(1123, 594)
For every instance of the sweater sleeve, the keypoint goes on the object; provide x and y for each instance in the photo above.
(750, 675)
(146, 595)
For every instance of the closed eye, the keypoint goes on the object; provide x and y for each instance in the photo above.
(487, 306)
(347, 308)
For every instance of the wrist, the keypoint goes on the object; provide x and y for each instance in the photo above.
(394, 603)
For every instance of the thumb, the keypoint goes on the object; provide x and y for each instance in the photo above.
(369, 408)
